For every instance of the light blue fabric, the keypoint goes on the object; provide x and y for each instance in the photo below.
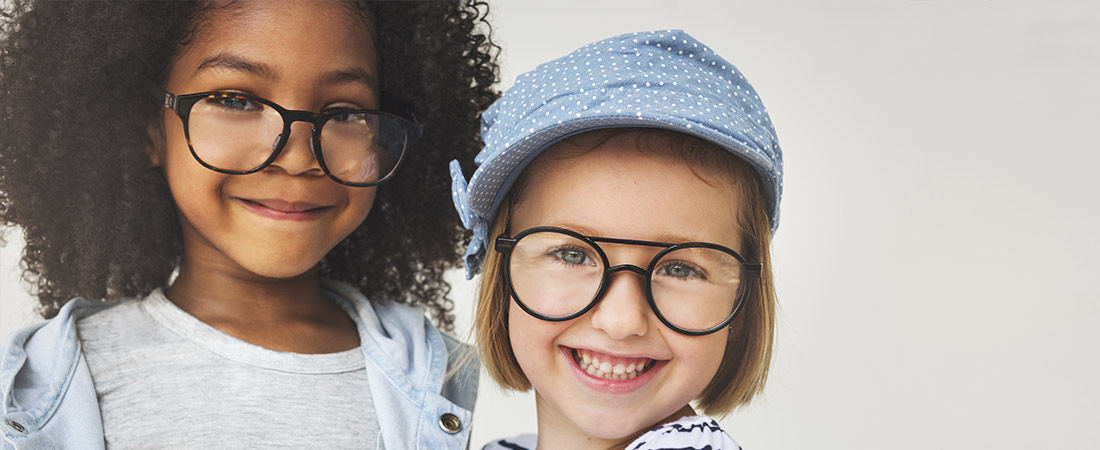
(658, 79)
(49, 401)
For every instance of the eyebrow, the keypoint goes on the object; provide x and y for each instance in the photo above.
(665, 238)
(351, 75)
(229, 61)
(573, 227)
(592, 233)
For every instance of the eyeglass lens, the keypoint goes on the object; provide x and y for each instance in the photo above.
(555, 274)
(236, 133)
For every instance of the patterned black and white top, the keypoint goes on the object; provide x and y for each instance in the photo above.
(688, 433)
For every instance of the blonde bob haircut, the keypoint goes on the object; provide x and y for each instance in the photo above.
(744, 367)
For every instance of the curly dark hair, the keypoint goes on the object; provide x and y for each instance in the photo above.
(98, 219)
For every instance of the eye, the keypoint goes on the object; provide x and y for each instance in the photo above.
(347, 117)
(234, 103)
(681, 270)
(344, 111)
(572, 256)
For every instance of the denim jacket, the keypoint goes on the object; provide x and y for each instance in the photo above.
(49, 401)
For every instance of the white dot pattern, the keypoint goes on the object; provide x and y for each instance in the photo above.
(659, 79)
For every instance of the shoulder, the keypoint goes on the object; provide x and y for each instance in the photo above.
(51, 348)
(392, 322)
(49, 339)
(374, 314)
(401, 339)
(521, 442)
(407, 368)
(47, 389)
(689, 432)
(109, 320)
(410, 343)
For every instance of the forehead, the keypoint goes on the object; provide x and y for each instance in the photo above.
(289, 35)
(219, 19)
(628, 188)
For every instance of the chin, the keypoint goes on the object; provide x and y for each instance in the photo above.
(611, 426)
(281, 268)
(610, 434)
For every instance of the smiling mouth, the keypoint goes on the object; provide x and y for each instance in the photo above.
(285, 207)
(610, 367)
(285, 211)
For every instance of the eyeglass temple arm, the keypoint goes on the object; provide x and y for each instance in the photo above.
(504, 245)
(167, 99)
(753, 270)
(413, 130)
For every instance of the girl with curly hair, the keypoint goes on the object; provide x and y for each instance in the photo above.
(249, 201)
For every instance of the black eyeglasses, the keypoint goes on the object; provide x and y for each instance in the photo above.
(238, 134)
(694, 288)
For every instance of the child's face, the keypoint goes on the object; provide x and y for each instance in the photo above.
(281, 221)
(619, 191)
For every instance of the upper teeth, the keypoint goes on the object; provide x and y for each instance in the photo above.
(604, 369)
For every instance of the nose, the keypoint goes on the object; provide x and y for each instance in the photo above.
(297, 156)
(623, 311)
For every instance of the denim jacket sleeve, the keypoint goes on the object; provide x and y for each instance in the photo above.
(48, 400)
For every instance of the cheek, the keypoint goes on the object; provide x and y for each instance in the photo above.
(175, 157)
(532, 340)
(173, 141)
(190, 182)
(360, 201)
(702, 355)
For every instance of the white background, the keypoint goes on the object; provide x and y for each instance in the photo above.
(936, 257)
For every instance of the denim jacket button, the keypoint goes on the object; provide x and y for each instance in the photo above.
(450, 423)
(18, 427)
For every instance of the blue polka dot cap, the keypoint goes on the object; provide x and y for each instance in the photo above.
(658, 79)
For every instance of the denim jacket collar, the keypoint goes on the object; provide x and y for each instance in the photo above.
(47, 398)
(409, 359)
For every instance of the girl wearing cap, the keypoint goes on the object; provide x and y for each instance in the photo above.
(622, 213)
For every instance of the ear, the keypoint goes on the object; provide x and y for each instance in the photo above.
(157, 145)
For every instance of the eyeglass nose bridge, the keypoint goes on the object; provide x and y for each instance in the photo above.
(628, 267)
(619, 268)
(289, 117)
(310, 117)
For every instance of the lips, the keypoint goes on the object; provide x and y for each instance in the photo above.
(287, 207)
(284, 210)
(612, 373)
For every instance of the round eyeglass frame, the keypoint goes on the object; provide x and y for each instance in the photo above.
(505, 245)
(182, 104)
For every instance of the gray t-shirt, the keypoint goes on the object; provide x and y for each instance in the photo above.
(167, 380)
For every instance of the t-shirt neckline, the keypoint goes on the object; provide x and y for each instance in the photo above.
(170, 316)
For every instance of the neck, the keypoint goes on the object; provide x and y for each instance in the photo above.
(283, 314)
(557, 432)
